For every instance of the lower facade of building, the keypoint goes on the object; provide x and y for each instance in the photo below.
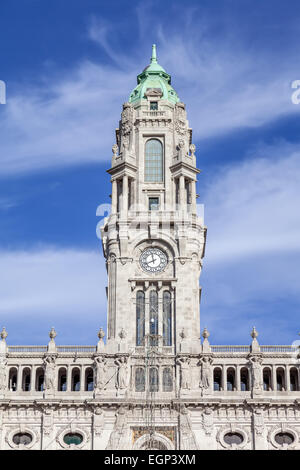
(149, 397)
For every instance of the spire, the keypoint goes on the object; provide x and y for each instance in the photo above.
(153, 57)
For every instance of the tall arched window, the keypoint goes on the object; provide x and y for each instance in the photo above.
(153, 317)
(140, 379)
(167, 319)
(167, 380)
(153, 379)
(140, 317)
(153, 161)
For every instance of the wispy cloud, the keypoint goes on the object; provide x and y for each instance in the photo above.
(251, 270)
(49, 287)
(69, 119)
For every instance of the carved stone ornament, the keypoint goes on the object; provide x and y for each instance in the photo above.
(98, 421)
(233, 429)
(115, 150)
(180, 120)
(188, 440)
(3, 373)
(283, 428)
(35, 436)
(73, 429)
(256, 373)
(208, 420)
(120, 436)
(100, 373)
(127, 119)
(50, 373)
(258, 420)
(185, 372)
(122, 373)
(205, 381)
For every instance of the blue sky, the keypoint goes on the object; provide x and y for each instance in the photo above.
(68, 67)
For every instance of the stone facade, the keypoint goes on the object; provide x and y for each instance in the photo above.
(153, 384)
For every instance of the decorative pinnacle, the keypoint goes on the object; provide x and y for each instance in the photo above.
(153, 57)
(101, 334)
(254, 333)
(205, 333)
(52, 334)
(4, 334)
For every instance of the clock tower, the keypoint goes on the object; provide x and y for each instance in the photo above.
(153, 240)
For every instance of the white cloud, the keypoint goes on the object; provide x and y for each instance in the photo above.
(52, 283)
(70, 119)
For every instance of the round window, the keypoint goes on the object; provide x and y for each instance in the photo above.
(73, 438)
(284, 438)
(22, 438)
(233, 438)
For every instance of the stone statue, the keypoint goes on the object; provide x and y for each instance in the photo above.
(49, 362)
(256, 373)
(206, 372)
(3, 373)
(184, 363)
(115, 150)
(120, 436)
(101, 369)
(208, 420)
(122, 375)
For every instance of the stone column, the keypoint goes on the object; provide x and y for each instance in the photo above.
(238, 378)
(181, 193)
(69, 379)
(33, 378)
(114, 197)
(125, 196)
(224, 378)
(274, 379)
(19, 378)
(193, 197)
(287, 380)
(82, 378)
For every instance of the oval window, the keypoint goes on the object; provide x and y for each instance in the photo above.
(23, 438)
(233, 438)
(73, 438)
(284, 438)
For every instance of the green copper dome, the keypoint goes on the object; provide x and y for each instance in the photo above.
(154, 76)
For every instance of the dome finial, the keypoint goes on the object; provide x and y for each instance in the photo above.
(153, 57)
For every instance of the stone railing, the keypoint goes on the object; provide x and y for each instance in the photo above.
(289, 349)
(27, 349)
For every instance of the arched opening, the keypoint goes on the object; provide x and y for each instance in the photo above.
(267, 379)
(294, 380)
(280, 379)
(75, 380)
(62, 379)
(245, 380)
(167, 319)
(26, 379)
(155, 441)
(89, 380)
(12, 380)
(153, 161)
(140, 317)
(153, 318)
(153, 379)
(230, 379)
(139, 379)
(167, 380)
(217, 379)
(39, 379)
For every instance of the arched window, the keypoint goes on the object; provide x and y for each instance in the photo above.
(12, 383)
(230, 379)
(153, 379)
(89, 380)
(75, 380)
(267, 379)
(153, 318)
(167, 380)
(280, 379)
(62, 379)
(39, 379)
(244, 380)
(217, 379)
(153, 161)
(294, 379)
(140, 317)
(167, 319)
(140, 379)
(26, 379)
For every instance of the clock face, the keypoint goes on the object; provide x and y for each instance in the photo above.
(153, 260)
